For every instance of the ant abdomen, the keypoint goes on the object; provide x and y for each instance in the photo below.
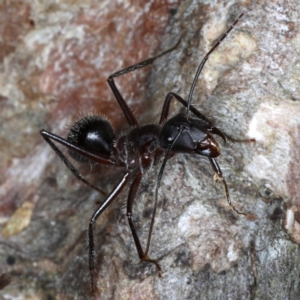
(92, 133)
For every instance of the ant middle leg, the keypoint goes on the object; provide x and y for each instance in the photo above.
(142, 254)
(122, 103)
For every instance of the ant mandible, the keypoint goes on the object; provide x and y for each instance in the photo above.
(92, 139)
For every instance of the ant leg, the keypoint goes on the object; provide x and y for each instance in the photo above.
(126, 110)
(166, 107)
(132, 192)
(91, 242)
(218, 175)
(132, 121)
(48, 137)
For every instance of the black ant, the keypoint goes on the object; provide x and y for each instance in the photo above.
(92, 139)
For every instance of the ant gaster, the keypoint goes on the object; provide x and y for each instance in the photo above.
(92, 139)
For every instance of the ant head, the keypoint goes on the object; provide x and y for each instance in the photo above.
(185, 135)
(93, 133)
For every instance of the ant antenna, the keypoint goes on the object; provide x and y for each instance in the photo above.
(188, 111)
(159, 177)
(158, 185)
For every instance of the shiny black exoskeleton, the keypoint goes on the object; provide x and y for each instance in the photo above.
(194, 138)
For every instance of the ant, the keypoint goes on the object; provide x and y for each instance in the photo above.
(92, 139)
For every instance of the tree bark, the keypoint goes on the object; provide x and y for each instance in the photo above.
(55, 62)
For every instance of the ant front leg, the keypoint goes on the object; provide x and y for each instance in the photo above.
(91, 241)
(213, 129)
(219, 176)
(142, 254)
(165, 113)
(111, 81)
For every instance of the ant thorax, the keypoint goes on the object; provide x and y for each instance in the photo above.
(138, 148)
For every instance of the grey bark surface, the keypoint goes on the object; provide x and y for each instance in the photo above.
(249, 88)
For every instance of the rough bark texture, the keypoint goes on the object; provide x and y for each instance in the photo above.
(55, 58)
